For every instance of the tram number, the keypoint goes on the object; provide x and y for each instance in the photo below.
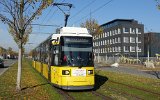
(79, 72)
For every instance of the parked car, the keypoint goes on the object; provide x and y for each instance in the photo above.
(1, 62)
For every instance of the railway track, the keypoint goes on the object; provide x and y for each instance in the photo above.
(64, 93)
(103, 97)
(135, 97)
(138, 88)
(67, 96)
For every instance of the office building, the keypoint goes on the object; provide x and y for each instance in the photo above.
(120, 37)
(151, 44)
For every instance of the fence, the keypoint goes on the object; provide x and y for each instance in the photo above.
(126, 60)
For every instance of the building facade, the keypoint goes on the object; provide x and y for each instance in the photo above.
(120, 37)
(151, 44)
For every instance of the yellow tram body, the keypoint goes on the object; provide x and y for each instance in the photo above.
(68, 82)
(70, 76)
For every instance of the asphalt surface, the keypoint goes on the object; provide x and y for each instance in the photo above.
(130, 70)
(7, 64)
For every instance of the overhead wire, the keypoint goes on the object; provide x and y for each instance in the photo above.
(47, 15)
(89, 4)
(94, 11)
(46, 21)
(53, 13)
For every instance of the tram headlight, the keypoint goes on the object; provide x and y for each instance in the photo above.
(90, 72)
(65, 72)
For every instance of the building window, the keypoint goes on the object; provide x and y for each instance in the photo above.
(119, 31)
(132, 39)
(107, 33)
(138, 49)
(119, 49)
(110, 49)
(116, 31)
(119, 40)
(113, 40)
(113, 49)
(113, 32)
(126, 39)
(110, 33)
(126, 48)
(132, 49)
(116, 49)
(132, 30)
(125, 30)
(110, 41)
(138, 30)
(138, 40)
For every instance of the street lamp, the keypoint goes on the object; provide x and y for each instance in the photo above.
(148, 46)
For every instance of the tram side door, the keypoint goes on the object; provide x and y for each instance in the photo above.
(55, 60)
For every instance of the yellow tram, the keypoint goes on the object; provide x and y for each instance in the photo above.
(66, 59)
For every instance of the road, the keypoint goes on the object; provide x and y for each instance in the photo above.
(130, 70)
(7, 64)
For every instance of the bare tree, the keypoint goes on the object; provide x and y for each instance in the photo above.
(18, 15)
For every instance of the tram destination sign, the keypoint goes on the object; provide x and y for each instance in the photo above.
(77, 40)
(79, 72)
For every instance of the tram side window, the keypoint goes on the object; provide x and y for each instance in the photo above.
(39, 54)
(46, 57)
(36, 54)
(55, 60)
(43, 54)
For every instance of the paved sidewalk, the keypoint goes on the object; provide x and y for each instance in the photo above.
(130, 70)
(7, 64)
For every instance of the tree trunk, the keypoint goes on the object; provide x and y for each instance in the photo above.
(18, 84)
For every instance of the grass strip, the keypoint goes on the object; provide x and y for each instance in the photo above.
(33, 85)
(104, 85)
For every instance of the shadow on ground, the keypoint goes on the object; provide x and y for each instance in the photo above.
(99, 81)
(34, 86)
(155, 73)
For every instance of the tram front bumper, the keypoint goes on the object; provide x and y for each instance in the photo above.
(89, 87)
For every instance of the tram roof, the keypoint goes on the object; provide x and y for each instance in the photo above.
(71, 31)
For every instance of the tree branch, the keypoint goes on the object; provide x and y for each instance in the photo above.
(34, 14)
(5, 19)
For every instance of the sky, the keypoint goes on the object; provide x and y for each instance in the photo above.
(144, 11)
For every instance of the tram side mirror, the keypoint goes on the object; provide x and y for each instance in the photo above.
(52, 40)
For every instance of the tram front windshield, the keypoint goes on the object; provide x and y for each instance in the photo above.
(77, 51)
